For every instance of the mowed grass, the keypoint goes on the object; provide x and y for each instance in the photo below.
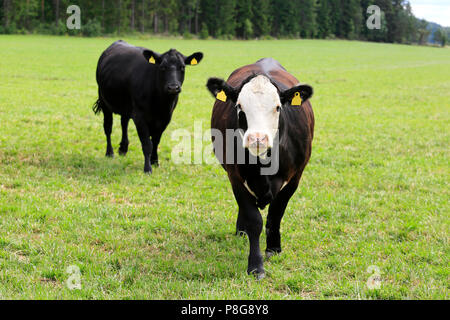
(375, 191)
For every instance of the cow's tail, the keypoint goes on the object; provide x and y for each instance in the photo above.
(97, 107)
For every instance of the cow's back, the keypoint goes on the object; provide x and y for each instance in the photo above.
(118, 72)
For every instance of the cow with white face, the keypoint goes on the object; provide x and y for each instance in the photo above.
(261, 104)
(274, 113)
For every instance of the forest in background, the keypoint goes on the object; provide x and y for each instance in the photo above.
(223, 19)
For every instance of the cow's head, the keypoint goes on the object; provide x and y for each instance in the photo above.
(171, 68)
(259, 103)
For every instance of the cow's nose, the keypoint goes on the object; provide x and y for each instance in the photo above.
(174, 88)
(257, 140)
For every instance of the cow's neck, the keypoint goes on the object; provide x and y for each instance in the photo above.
(165, 105)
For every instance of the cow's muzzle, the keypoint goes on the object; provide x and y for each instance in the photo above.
(257, 143)
(173, 89)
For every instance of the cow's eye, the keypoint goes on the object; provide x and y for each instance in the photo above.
(278, 108)
(238, 107)
(242, 120)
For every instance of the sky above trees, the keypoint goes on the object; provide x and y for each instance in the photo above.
(432, 10)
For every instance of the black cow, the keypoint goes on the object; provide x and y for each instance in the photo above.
(141, 84)
(275, 117)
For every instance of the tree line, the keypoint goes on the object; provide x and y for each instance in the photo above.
(223, 19)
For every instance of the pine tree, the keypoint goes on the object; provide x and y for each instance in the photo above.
(222, 18)
(336, 18)
(227, 11)
(324, 28)
(350, 20)
(306, 16)
(284, 18)
(244, 16)
(209, 10)
(261, 17)
(6, 13)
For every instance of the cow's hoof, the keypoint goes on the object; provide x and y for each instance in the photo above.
(256, 267)
(109, 155)
(123, 148)
(272, 252)
(147, 167)
(155, 163)
(258, 273)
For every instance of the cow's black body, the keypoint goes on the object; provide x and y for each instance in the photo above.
(296, 128)
(135, 89)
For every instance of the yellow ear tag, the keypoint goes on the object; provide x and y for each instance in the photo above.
(194, 62)
(222, 96)
(297, 101)
(152, 60)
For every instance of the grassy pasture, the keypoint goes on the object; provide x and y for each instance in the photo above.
(375, 192)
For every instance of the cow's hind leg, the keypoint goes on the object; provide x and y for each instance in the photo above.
(107, 126)
(123, 149)
(276, 212)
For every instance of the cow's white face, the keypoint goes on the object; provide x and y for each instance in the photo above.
(260, 101)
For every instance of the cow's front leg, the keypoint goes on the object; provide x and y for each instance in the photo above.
(147, 146)
(276, 212)
(240, 227)
(252, 224)
(155, 140)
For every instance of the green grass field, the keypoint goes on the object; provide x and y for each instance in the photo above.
(375, 192)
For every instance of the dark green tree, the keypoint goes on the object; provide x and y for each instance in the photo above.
(440, 36)
(244, 18)
(306, 18)
(350, 21)
(423, 31)
(261, 17)
(209, 11)
(324, 26)
(227, 18)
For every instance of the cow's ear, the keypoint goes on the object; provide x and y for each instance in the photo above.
(221, 90)
(193, 59)
(297, 95)
(152, 57)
